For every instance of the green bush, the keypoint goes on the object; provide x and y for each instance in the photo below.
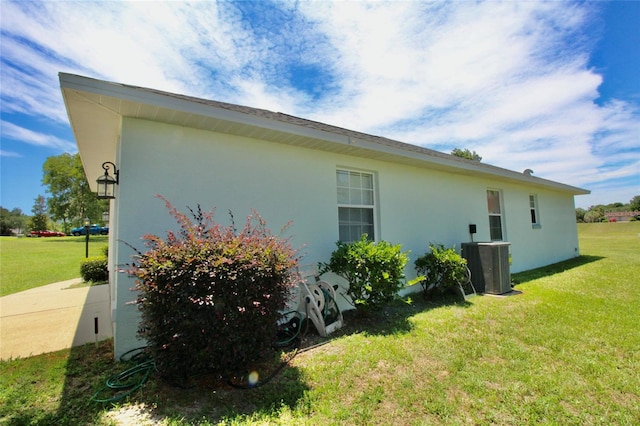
(211, 296)
(374, 271)
(441, 269)
(94, 269)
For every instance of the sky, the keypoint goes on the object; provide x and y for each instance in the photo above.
(549, 86)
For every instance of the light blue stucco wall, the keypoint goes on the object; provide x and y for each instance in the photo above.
(285, 183)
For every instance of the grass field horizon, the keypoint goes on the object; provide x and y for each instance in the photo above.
(32, 262)
(565, 350)
(59, 258)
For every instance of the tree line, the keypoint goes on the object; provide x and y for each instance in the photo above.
(598, 212)
(69, 200)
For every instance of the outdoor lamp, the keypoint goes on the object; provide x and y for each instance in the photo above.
(105, 217)
(87, 223)
(107, 183)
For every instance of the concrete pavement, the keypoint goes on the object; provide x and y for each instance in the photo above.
(53, 317)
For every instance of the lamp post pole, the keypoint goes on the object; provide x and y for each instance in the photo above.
(86, 236)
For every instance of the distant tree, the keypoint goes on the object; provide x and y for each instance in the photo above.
(593, 216)
(465, 153)
(19, 219)
(11, 220)
(614, 207)
(597, 213)
(40, 219)
(71, 199)
(5, 222)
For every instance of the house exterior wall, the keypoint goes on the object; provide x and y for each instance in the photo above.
(414, 206)
(554, 240)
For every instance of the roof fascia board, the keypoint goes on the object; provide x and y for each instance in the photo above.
(194, 106)
(470, 167)
(190, 105)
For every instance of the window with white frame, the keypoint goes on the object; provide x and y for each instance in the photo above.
(533, 208)
(356, 205)
(495, 214)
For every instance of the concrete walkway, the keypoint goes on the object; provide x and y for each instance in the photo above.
(53, 317)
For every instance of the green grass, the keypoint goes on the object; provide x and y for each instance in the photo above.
(565, 351)
(54, 388)
(32, 262)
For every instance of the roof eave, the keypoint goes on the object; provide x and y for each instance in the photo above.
(97, 130)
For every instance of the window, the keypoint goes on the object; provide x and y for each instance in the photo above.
(355, 205)
(533, 208)
(495, 215)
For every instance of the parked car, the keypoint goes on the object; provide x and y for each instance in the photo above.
(46, 233)
(93, 230)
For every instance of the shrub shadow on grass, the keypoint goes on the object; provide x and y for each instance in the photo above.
(205, 396)
(556, 268)
(55, 388)
(87, 368)
(395, 318)
(213, 399)
(208, 397)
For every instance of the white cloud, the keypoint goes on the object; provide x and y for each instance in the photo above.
(509, 80)
(21, 134)
(9, 154)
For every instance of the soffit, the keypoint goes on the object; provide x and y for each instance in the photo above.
(96, 109)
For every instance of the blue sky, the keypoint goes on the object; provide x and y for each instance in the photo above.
(550, 86)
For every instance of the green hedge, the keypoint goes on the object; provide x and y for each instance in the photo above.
(94, 269)
(374, 271)
(441, 269)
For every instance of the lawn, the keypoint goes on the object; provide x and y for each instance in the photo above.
(564, 351)
(32, 262)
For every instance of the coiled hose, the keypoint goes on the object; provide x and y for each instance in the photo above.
(132, 379)
(128, 381)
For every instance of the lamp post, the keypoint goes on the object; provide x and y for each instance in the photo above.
(87, 222)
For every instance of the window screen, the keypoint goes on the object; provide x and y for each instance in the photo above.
(533, 208)
(495, 215)
(355, 205)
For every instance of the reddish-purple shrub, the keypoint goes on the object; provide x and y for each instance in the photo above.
(210, 295)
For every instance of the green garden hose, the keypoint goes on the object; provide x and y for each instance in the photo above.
(128, 381)
(132, 379)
